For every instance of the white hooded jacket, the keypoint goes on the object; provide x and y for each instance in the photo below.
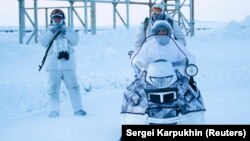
(141, 34)
(151, 51)
(61, 43)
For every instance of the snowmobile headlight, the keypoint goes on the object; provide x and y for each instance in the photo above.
(191, 70)
(161, 82)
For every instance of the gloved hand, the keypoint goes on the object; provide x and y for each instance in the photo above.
(63, 30)
(55, 28)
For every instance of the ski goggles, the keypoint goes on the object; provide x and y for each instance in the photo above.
(156, 10)
(56, 16)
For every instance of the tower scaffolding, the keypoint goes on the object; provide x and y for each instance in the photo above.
(173, 8)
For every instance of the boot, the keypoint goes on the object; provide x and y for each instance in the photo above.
(80, 113)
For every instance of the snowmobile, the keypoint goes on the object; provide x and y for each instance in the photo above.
(173, 98)
(163, 92)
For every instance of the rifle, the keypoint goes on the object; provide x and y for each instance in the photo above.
(47, 50)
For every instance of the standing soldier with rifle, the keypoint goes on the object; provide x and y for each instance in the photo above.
(59, 41)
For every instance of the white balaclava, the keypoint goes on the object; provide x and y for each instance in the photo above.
(158, 16)
(162, 25)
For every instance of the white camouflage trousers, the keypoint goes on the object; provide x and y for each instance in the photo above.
(70, 80)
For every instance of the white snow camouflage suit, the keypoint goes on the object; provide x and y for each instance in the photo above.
(61, 69)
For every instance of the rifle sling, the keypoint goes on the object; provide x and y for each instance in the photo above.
(47, 50)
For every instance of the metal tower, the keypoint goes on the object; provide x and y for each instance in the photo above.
(174, 8)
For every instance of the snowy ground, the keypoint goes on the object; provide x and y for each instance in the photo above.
(222, 55)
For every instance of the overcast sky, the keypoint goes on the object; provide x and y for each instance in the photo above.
(205, 10)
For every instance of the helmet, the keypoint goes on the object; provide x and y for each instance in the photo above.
(159, 5)
(57, 12)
